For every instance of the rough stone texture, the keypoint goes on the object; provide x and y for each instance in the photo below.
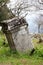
(17, 35)
(22, 40)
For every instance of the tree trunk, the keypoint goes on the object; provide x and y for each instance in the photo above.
(10, 40)
(8, 36)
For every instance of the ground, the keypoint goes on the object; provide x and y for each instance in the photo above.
(7, 57)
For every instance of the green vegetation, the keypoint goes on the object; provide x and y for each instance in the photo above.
(8, 57)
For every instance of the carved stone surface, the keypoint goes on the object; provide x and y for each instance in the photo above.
(22, 40)
(17, 35)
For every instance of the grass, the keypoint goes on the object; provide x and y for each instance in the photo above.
(7, 57)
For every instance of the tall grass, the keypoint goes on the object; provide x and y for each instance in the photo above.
(17, 58)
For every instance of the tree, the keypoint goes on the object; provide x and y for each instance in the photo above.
(5, 13)
(25, 6)
(22, 8)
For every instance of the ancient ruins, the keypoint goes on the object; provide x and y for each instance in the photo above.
(17, 34)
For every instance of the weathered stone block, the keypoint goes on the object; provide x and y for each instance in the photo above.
(17, 34)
